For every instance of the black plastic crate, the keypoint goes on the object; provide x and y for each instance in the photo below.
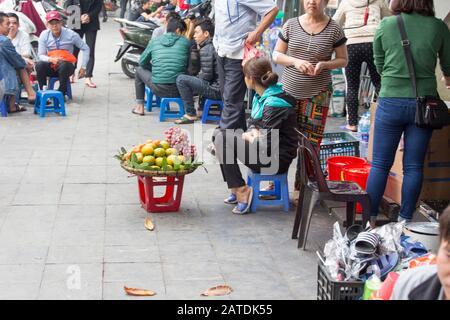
(328, 289)
(337, 144)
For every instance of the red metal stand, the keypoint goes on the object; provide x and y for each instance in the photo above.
(166, 203)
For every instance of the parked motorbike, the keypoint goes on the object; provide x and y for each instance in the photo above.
(136, 36)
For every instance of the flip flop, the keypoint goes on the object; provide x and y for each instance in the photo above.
(91, 85)
(232, 199)
(243, 208)
(184, 120)
(367, 242)
(138, 113)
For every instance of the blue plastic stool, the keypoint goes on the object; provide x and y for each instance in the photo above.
(281, 190)
(51, 86)
(4, 106)
(208, 104)
(149, 103)
(41, 107)
(165, 112)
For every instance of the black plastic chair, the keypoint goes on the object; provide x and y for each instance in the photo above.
(314, 188)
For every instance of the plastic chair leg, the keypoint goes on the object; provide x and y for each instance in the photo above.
(366, 206)
(299, 212)
(350, 214)
(305, 220)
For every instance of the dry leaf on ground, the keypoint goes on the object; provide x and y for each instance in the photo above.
(138, 292)
(221, 290)
(149, 224)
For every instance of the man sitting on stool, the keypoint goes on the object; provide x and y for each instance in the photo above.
(59, 38)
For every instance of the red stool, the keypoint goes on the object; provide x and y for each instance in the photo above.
(166, 203)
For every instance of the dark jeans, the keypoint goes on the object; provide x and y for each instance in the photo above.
(63, 72)
(230, 147)
(233, 89)
(188, 86)
(91, 37)
(123, 8)
(144, 77)
(395, 116)
(357, 54)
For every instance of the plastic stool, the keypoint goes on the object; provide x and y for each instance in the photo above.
(208, 104)
(41, 102)
(51, 86)
(165, 109)
(281, 191)
(4, 106)
(166, 203)
(149, 103)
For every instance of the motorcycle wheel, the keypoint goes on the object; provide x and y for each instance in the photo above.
(128, 68)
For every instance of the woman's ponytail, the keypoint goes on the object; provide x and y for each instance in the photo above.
(269, 79)
(260, 70)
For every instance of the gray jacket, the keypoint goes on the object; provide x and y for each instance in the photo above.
(208, 64)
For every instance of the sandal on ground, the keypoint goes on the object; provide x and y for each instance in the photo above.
(91, 85)
(19, 108)
(138, 113)
(232, 199)
(184, 120)
(243, 208)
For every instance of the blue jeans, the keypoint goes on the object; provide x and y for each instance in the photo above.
(188, 86)
(394, 117)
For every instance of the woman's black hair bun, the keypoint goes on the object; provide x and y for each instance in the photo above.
(269, 79)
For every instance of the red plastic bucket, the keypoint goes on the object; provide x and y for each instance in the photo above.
(335, 165)
(358, 174)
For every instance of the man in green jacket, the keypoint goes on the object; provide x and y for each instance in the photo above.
(163, 60)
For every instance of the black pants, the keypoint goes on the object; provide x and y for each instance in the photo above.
(91, 37)
(233, 89)
(357, 54)
(230, 147)
(63, 72)
(123, 8)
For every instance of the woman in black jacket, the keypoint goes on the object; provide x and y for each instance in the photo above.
(270, 143)
(90, 24)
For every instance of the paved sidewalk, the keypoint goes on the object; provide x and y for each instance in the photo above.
(71, 226)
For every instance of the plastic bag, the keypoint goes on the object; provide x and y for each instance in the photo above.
(336, 253)
(250, 52)
(390, 237)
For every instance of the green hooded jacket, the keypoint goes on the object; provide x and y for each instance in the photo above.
(167, 56)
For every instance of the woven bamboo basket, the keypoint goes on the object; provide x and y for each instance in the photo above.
(155, 173)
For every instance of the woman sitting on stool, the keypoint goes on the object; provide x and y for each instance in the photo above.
(270, 143)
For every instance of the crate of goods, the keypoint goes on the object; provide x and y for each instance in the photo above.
(329, 289)
(337, 144)
(337, 104)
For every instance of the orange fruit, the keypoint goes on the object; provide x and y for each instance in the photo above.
(147, 149)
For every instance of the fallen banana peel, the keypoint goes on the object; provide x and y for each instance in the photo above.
(139, 292)
(220, 290)
(149, 224)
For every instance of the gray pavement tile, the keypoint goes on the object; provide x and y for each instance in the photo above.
(132, 254)
(12, 173)
(38, 194)
(34, 254)
(122, 194)
(75, 254)
(8, 193)
(19, 291)
(85, 174)
(49, 158)
(11, 157)
(44, 174)
(251, 270)
(192, 271)
(115, 290)
(127, 273)
(181, 237)
(187, 253)
(115, 174)
(25, 238)
(72, 282)
(30, 218)
(125, 217)
(192, 289)
(21, 273)
(130, 238)
(71, 237)
(96, 223)
(304, 288)
(81, 211)
(83, 194)
(87, 157)
(241, 251)
(258, 289)
(178, 221)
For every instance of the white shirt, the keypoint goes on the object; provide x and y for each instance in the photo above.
(22, 43)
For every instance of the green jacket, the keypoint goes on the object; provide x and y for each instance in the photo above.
(167, 56)
(429, 38)
(268, 98)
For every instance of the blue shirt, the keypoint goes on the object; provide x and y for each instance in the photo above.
(10, 61)
(66, 41)
(235, 19)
